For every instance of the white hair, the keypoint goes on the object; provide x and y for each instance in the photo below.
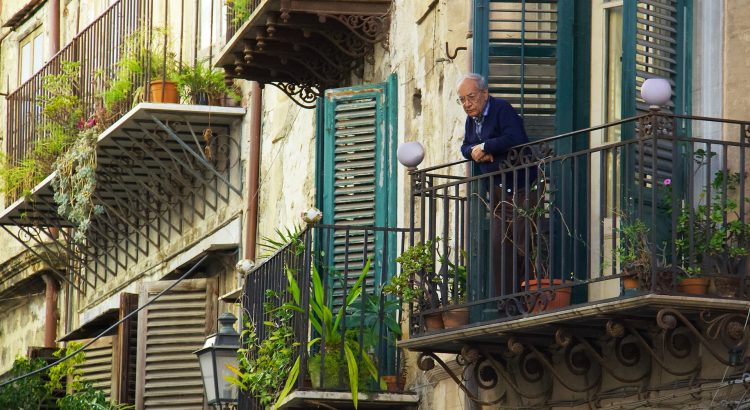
(477, 78)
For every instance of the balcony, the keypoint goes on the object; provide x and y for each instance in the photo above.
(543, 263)
(332, 276)
(150, 159)
(303, 47)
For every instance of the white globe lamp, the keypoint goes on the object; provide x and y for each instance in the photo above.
(656, 92)
(410, 154)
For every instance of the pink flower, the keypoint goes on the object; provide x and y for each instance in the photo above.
(667, 181)
(91, 122)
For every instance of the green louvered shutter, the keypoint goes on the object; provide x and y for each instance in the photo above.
(357, 171)
(522, 62)
(656, 36)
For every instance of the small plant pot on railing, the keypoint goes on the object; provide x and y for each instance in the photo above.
(724, 286)
(630, 282)
(542, 300)
(394, 383)
(433, 321)
(455, 317)
(693, 286)
(163, 92)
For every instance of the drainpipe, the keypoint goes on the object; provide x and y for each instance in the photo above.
(253, 165)
(469, 56)
(54, 27)
(50, 310)
(471, 384)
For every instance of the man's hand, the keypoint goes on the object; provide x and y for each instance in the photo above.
(478, 155)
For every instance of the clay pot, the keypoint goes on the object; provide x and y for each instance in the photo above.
(433, 321)
(561, 296)
(724, 286)
(394, 383)
(694, 286)
(455, 317)
(170, 92)
(630, 282)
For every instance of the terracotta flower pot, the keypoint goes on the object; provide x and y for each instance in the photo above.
(724, 286)
(394, 383)
(169, 91)
(630, 282)
(694, 286)
(560, 298)
(455, 317)
(433, 321)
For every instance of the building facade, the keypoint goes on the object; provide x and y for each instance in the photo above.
(328, 91)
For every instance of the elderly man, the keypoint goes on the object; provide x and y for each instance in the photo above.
(492, 128)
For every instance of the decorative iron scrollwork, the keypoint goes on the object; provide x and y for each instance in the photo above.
(372, 29)
(302, 95)
(426, 361)
(724, 326)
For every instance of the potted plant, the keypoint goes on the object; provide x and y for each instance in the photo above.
(712, 239)
(634, 253)
(532, 210)
(203, 85)
(415, 284)
(456, 279)
(144, 54)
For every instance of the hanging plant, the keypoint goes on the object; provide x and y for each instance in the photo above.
(75, 182)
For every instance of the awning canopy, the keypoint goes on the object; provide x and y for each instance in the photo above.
(305, 46)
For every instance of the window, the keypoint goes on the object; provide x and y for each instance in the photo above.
(32, 54)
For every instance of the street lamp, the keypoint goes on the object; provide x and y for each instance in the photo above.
(219, 351)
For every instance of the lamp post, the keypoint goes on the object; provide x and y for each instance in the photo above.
(219, 351)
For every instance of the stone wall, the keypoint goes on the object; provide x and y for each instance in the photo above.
(21, 322)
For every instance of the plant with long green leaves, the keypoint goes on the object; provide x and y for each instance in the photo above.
(331, 328)
(265, 364)
(286, 236)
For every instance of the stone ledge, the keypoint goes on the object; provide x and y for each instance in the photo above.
(305, 399)
(608, 307)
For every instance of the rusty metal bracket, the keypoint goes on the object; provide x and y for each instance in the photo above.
(452, 56)
(667, 319)
(302, 95)
(426, 361)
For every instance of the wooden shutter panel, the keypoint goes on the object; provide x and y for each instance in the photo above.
(354, 179)
(657, 54)
(169, 331)
(97, 368)
(357, 179)
(523, 60)
(655, 44)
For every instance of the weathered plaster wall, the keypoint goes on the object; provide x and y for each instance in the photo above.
(21, 322)
(736, 48)
(427, 111)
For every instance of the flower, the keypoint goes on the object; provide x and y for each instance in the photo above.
(667, 182)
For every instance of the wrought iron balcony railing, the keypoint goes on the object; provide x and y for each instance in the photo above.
(331, 318)
(652, 200)
(97, 48)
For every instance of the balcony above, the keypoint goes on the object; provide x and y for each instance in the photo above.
(154, 158)
(305, 46)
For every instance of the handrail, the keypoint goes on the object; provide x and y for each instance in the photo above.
(54, 59)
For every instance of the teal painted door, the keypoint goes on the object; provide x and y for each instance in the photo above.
(356, 178)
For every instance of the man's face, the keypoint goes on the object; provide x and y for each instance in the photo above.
(471, 97)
